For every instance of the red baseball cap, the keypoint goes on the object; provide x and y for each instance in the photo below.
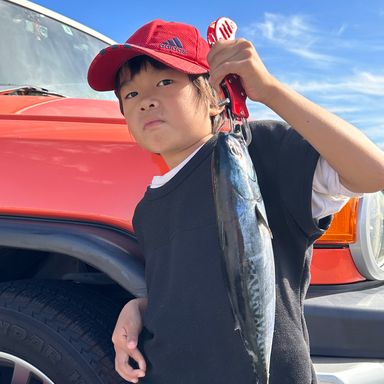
(177, 45)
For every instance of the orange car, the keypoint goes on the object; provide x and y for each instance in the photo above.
(71, 177)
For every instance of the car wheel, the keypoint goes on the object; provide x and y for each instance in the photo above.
(55, 333)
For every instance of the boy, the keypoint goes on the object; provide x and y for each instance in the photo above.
(187, 330)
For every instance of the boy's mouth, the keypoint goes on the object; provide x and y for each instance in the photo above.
(153, 123)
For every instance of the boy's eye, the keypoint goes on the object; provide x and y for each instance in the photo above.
(165, 82)
(129, 95)
(161, 83)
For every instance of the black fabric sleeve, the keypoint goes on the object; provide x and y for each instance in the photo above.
(297, 164)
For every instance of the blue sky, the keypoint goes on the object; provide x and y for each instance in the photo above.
(330, 51)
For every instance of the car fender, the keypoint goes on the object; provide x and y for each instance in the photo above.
(111, 250)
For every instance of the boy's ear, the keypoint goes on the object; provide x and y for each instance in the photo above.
(215, 110)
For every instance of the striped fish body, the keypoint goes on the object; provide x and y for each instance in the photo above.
(245, 239)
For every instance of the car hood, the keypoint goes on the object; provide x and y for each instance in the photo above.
(42, 117)
(59, 107)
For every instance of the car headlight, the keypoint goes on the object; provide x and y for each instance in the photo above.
(368, 251)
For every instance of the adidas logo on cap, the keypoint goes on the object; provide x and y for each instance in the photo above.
(174, 45)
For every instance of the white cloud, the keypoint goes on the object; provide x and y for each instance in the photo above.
(343, 95)
(259, 111)
(368, 83)
(293, 33)
(362, 83)
(341, 30)
(280, 28)
(305, 53)
(340, 109)
(373, 128)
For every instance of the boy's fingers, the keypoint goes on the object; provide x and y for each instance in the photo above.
(217, 75)
(139, 358)
(131, 344)
(130, 340)
(125, 370)
(218, 48)
(126, 336)
(123, 341)
(230, 50)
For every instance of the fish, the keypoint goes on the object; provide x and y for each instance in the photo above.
(246, 241)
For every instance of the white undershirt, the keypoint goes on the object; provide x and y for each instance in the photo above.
(328, 194)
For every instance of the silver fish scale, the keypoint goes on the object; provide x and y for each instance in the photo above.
(247, 249)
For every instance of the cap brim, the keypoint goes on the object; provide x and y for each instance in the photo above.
(103, 69)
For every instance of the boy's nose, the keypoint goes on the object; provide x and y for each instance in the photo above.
(148, 104)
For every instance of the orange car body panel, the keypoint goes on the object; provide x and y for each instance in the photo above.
(334, 266)
(48, 141)
(45, 142)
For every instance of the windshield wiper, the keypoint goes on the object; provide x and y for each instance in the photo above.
(27, 90)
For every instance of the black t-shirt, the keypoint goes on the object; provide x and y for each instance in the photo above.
(189, 332)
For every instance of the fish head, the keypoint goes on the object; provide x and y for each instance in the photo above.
(235, 166)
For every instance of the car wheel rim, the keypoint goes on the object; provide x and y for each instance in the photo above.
(20, 371)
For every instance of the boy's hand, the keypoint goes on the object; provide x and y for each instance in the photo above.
(125, 337)
(240, 57)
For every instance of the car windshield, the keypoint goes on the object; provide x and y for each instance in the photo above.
(39, 51)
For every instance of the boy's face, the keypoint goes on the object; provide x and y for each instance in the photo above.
(164, 113)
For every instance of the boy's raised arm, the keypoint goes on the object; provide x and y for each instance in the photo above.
(358, 161)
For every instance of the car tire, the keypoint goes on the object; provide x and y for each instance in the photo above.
(56, 332)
